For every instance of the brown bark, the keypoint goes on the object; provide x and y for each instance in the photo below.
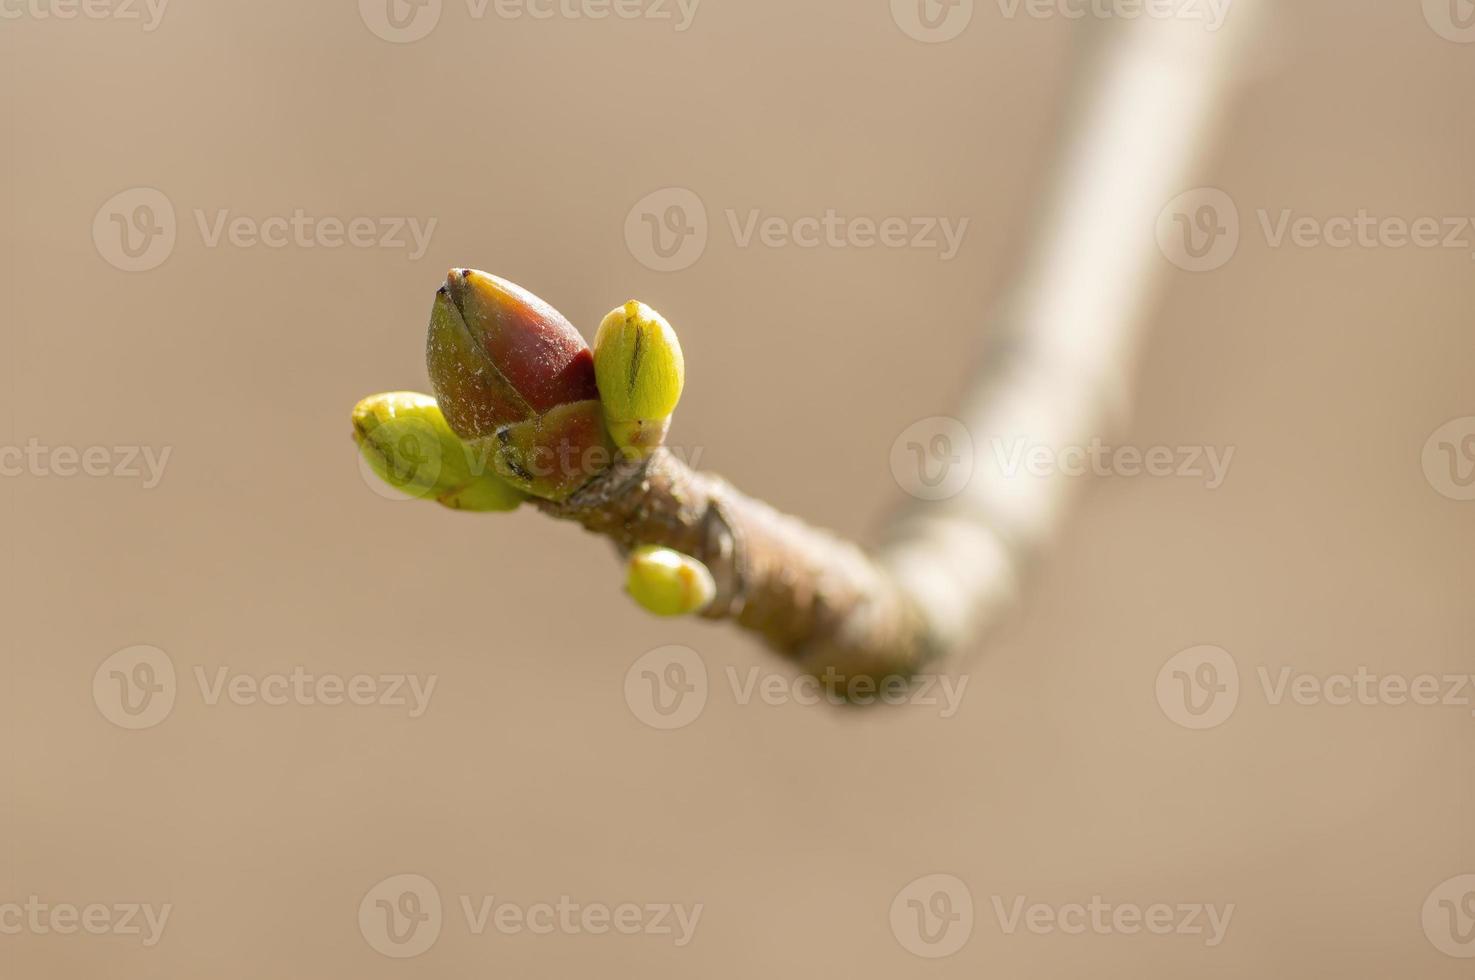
(811, 595)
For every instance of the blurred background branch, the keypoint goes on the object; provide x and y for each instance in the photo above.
(1058, 367)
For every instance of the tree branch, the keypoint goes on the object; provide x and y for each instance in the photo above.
(811, 595)
(517, 387)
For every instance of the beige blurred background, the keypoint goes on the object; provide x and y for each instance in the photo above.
(529, 776)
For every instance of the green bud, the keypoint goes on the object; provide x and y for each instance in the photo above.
(406, 441)
(640, 370)
(668, 583)
(517, 381)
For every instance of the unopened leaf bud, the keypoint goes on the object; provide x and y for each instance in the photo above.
(405, 440)
(668, 583)
(640, 370)
(514, 377)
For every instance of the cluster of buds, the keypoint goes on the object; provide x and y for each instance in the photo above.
(523, 407)
(514, 376)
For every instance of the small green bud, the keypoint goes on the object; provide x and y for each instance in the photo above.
(406, 441)
(517, 381)
(667, 582)
(640, 371)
